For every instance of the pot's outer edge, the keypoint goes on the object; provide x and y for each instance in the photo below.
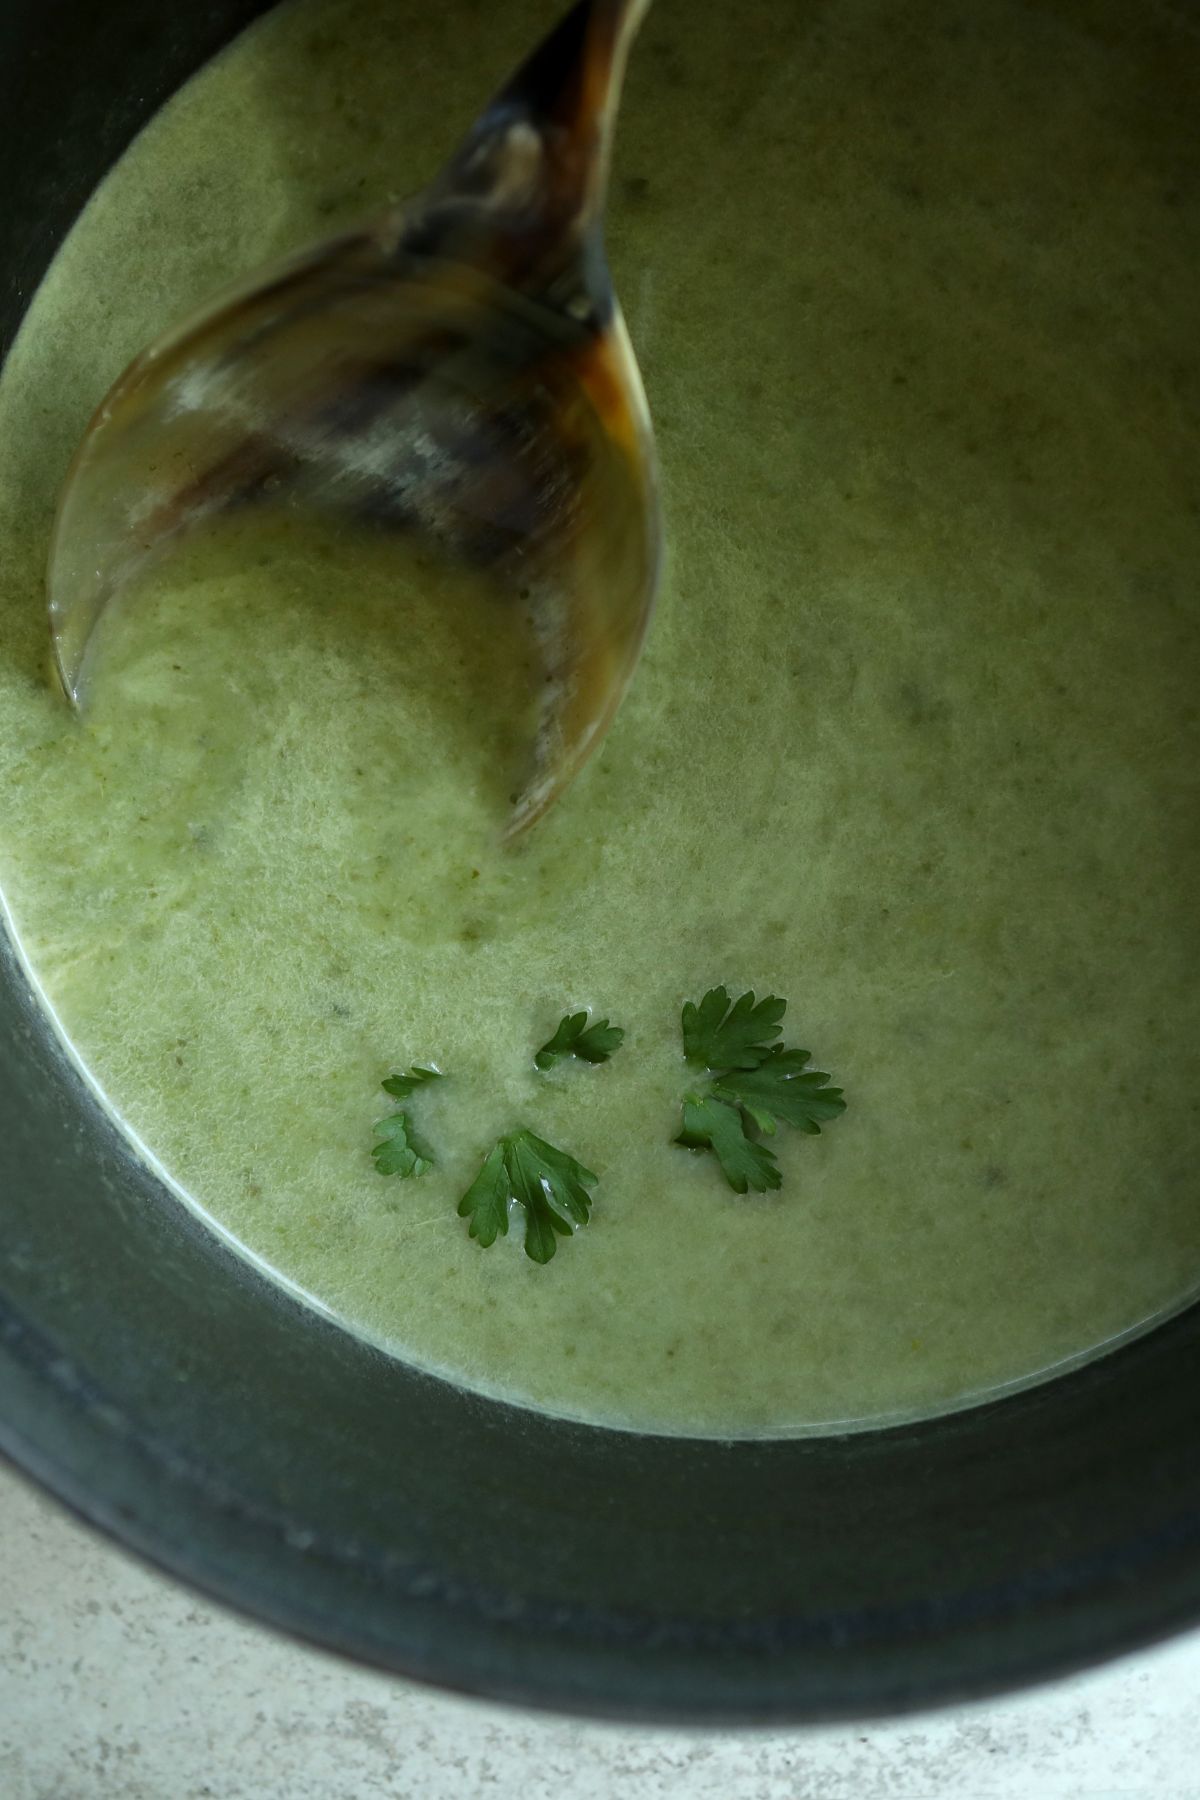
(668, 1672)
(265, 1458)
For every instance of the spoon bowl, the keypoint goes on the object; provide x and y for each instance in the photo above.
(457, 369)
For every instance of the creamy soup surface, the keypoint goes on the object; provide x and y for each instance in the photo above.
(915, 743)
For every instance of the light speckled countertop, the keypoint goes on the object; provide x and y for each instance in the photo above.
(117, 1685)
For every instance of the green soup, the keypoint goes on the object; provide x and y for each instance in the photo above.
(914, 744)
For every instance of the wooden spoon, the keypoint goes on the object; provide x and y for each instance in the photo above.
(457, 368)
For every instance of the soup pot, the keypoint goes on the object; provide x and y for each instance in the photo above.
(155, 1382)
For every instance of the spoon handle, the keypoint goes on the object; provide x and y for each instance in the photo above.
(542, 147)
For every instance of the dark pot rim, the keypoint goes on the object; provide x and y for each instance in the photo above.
(204, 1420)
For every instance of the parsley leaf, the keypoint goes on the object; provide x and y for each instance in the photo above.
(485, 1202)
(709, 1124)
(399, 1150)
(755, 1084)
(550, 1186)
(547, 1183)
(401, 1086)
(718, 1035)
(783, 1087)
(575, 1037)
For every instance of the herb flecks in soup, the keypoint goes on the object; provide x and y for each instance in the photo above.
(915, 743)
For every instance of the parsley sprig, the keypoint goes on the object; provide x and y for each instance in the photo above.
(401, 1086)
(756, 1084)
(399, 1149)
(549, 1186)
(575, 1037)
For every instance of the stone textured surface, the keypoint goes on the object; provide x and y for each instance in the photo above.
(117, 1685)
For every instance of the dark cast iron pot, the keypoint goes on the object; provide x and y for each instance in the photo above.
(155, 1383)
